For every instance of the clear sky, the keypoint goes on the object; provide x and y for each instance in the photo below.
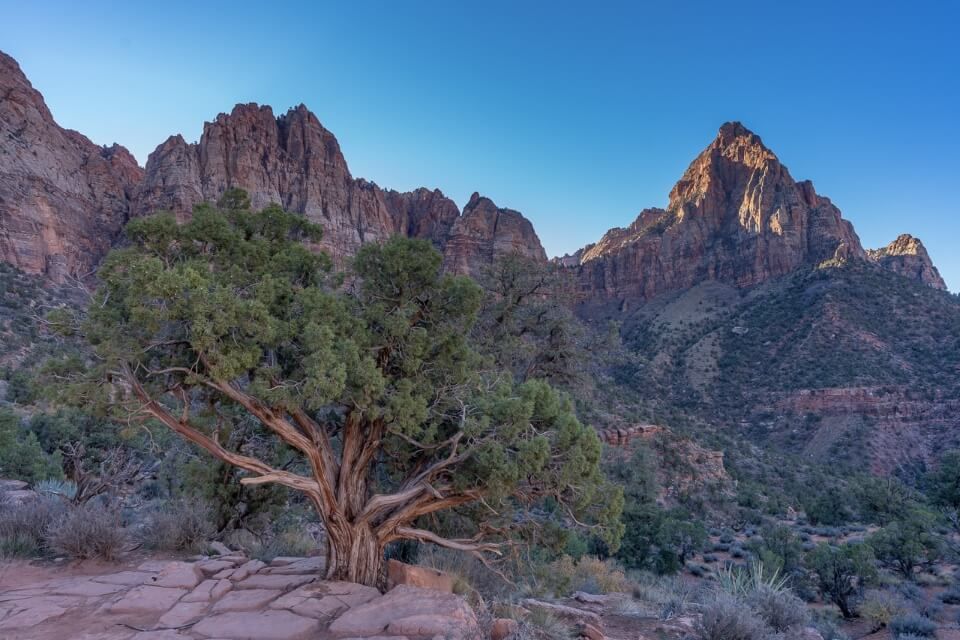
(579, 115)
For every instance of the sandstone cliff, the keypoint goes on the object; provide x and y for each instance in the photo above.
(291, 160)
(63, 199)
(736, 216)
(294, 161)
(485, 232)
(907, 256)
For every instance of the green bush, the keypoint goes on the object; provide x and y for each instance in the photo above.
(21, 456)
(905, 544)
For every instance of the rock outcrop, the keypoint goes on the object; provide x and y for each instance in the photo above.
(736, 216)
(908, 257)
(294, 161)
(486, 232)
(291, 160)
(63, 199)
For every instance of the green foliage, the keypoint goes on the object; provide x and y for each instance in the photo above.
(778, 548)
(21, 456)
(230, 317)
(828, 508)
(526, 327)
(943, 484)
(843, 572)
(74, 426)
(882, 500)
(905, 544)
(659, 539)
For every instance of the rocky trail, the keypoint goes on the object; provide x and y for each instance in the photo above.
(228, 598)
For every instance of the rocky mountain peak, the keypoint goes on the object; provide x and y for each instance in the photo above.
(736, 215)
(63, 199)
(907, 256)
(485, 232)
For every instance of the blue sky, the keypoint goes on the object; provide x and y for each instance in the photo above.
(577, 114)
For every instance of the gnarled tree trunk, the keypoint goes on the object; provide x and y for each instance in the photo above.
(354, 554)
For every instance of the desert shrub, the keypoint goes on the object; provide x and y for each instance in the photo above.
(88, 531)
(289, 542)
(182, 525)
(912, 624)
(709, 557)
(781, 610)
(906, 544)
(470, 575)
(881, 607)
(19, 545)
(590, 574)
(22, 526)
(951, 595)
(827, 627)
(540, 624)
(726, 618)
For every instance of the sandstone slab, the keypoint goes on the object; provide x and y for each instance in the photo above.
(260, 625)
(246, 569)
(299, 566)
(280, 582)
(420, 607)
(27, 613)
(86, 588)
(183, 613)
(245, 600)
(147, 599)
(178, 575)
(126, 578)
(325, 600)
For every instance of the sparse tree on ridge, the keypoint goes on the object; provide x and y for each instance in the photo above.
(378, 386)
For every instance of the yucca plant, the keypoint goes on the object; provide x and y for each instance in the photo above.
(65, 489)
(740, 582)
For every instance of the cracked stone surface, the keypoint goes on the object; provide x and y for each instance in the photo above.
(184, 600)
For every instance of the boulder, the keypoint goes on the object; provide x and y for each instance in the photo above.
(502, 628)
(424, 577)
(406, 607)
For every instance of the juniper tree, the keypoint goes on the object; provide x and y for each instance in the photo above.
(375, 385)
